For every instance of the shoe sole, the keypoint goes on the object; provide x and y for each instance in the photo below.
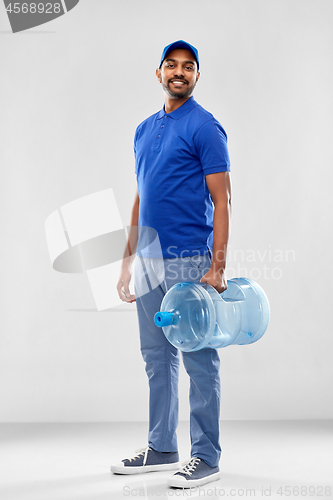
(181, 482)
(118, 469)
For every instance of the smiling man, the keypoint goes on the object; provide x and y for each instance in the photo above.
(179, 88)
(184, 195)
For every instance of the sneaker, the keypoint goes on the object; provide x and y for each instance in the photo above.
(195, 473)
(148, 460)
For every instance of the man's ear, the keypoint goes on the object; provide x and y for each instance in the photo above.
(198, 75)
(158, 74)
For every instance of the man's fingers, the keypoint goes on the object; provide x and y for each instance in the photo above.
(121, 290)
(119, 287)
(222, 288)
(130, 298)
(214, 283)
(124, 291)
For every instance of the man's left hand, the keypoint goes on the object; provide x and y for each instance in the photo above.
(216, 279)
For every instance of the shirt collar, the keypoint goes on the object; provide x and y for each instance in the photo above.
(179, 112)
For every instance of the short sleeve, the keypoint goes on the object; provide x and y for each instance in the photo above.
(134, 147)
(211, 146)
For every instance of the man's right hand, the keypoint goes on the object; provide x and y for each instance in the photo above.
(123, 286)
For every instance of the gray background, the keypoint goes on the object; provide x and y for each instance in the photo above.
(72, 93)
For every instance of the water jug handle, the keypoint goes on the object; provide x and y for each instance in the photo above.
(233, 293)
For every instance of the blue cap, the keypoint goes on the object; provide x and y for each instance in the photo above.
(163, 318)
(180, 44)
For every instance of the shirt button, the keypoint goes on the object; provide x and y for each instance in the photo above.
(162, 126)
(165, 116)
(158, 136)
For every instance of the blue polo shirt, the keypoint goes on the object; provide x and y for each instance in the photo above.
(173, 154)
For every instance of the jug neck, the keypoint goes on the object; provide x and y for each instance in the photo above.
(164, 318)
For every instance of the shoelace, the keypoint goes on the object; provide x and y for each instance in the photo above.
(190, 466)
(143, 451)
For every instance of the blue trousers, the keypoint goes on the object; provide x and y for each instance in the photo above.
(162, 363)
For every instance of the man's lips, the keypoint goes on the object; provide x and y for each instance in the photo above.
(178, 82)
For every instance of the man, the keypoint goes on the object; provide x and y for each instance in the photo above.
(182, 168)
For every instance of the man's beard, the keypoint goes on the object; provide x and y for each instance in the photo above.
(177, 95)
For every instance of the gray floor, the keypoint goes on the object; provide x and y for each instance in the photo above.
(273, 459)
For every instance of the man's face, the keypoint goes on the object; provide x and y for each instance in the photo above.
(178, 74)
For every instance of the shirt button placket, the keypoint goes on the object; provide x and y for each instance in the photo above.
(162, 126)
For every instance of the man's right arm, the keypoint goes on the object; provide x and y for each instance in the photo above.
(129, 254)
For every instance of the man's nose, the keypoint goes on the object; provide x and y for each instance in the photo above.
(178, 71)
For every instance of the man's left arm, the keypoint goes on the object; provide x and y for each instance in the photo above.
(219, 185)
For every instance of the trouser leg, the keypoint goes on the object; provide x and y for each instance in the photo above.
(203, 368)
(162, 366)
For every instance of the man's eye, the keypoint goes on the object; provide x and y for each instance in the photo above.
(190, 68)
(169, 65)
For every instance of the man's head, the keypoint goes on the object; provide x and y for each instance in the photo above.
(178, 71)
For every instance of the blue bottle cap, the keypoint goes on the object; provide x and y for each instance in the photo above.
(163, 318)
